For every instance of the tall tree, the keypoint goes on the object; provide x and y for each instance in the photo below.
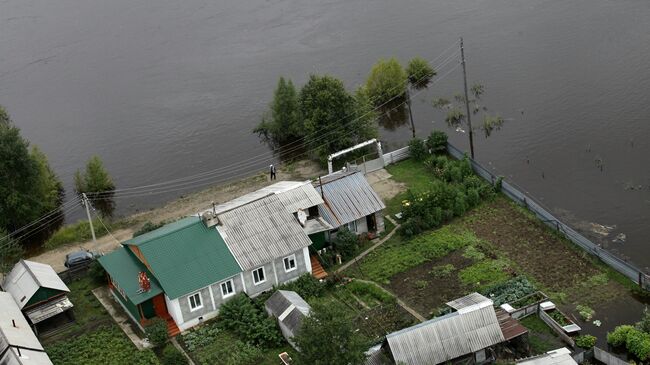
(326, 337)
(97, 184)
(10, 252)
(28, 186)
(387, 81)
(333, 118)
(282, 124)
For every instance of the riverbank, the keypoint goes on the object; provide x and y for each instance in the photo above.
(175, 209)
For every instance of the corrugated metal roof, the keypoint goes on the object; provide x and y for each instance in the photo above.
(27, 357)
(561, 356)
(124, 267)
(469, 301)
(348, 197)
(293, 194)
(289, 308)
(447, 337)
(261, 231)
(186, 255)
(27, 277)
(22, 334)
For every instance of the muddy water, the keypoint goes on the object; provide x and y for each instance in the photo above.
(165, 89)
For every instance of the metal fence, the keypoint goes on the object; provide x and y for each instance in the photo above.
(624, 267)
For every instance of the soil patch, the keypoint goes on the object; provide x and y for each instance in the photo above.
(533, 246)
(426, 292)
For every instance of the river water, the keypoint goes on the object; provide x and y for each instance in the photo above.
(165, 89)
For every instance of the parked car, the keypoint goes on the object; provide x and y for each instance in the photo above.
(80, 258)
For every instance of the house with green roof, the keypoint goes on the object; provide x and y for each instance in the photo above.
(185, 270)
(189, 268)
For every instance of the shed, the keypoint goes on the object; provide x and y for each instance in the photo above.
(471, 329)
(290, 309)
(18, 344)
(37, 290)
(561, 356)
(348, 198)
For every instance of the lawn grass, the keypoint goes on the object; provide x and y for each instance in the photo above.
(398, 255)
(411, 173)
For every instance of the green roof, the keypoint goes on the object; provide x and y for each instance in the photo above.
(186, 256)
(124, 268)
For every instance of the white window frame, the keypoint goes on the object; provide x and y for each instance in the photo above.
(232, 285)
(352, 224)
(290, 258)
(263, 274)
(189, 301)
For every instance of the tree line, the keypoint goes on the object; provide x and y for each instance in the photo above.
(31, 190)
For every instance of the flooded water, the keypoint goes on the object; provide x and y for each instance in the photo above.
(166, 89)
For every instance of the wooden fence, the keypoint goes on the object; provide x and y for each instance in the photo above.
(556, 328)
(75, 273)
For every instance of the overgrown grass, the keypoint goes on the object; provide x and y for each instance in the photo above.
(106, 345)
(484, 274)
(397, 256)
(80, 232)
(411, 173)
(541, 337)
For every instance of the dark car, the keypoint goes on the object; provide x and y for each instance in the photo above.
(79, 258)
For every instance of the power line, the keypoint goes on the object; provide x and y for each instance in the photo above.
(43, 217)
(299, 143)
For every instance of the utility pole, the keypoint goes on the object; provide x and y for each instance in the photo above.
(408, 103)
(469, 116)
(86, 203)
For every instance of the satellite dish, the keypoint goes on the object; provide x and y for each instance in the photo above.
(302, 216)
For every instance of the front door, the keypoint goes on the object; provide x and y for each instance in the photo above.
(160, 306)
(371, 220)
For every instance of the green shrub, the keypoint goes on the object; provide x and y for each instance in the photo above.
(644, 324)
(156, 332)
(442, 271)
(619, 336)
(585, 312)
(226, 349)
(510, 290)
(638, 344)
(346, 243)
(148, 227)
(437, 142)
(201, 336)
(240, 316)
(306, 286)
(172, 356)
(97, 272)
(77, 232)
(585, 341)
(417, 150)
(419, 72)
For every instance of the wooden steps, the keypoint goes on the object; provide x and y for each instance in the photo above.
(317, 269)
(172, 328)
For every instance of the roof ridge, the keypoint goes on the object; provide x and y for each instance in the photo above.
(31, 273)
(167, 233)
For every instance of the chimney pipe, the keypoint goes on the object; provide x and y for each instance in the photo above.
(320, 182)
(13, 322)
(214, 208)
(19, 354)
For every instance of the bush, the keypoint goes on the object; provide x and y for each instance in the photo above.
(306, 286)
(97, 272)
(417, 149)
(585, 312)
(419, 72)
(240, 316)
(437, 142)
(201, 336)
(644, 324)
(148, 227)
(346, 243)
(156, 332)
(638, 344)
(619, 336)
(172, 356)
(586, 341)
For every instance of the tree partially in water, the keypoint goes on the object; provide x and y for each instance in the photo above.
(282, 125)
(387, 81)
(419, 72)
(456, 115)
(29, 188)
(97, 184)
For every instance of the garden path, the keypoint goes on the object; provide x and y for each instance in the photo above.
(413, 312)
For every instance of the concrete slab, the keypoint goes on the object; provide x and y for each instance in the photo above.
(113, 308)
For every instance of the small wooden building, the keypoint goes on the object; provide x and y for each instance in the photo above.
(40, 294)
(290, 309)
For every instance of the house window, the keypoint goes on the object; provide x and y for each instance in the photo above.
(290, 263)
(258, 276)
(227, 288)
(352, 226)
(195, 302)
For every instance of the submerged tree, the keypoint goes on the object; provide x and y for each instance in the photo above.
(282, 124)
(327, 337)
(387, 81)
(97, 184)
(420, 72)
(29, 188)
(333, 118)
(456, 115)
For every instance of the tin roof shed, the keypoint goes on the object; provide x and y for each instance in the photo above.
(29, 278)
(16, 333)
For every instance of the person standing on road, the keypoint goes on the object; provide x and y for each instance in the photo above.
(272, 171)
